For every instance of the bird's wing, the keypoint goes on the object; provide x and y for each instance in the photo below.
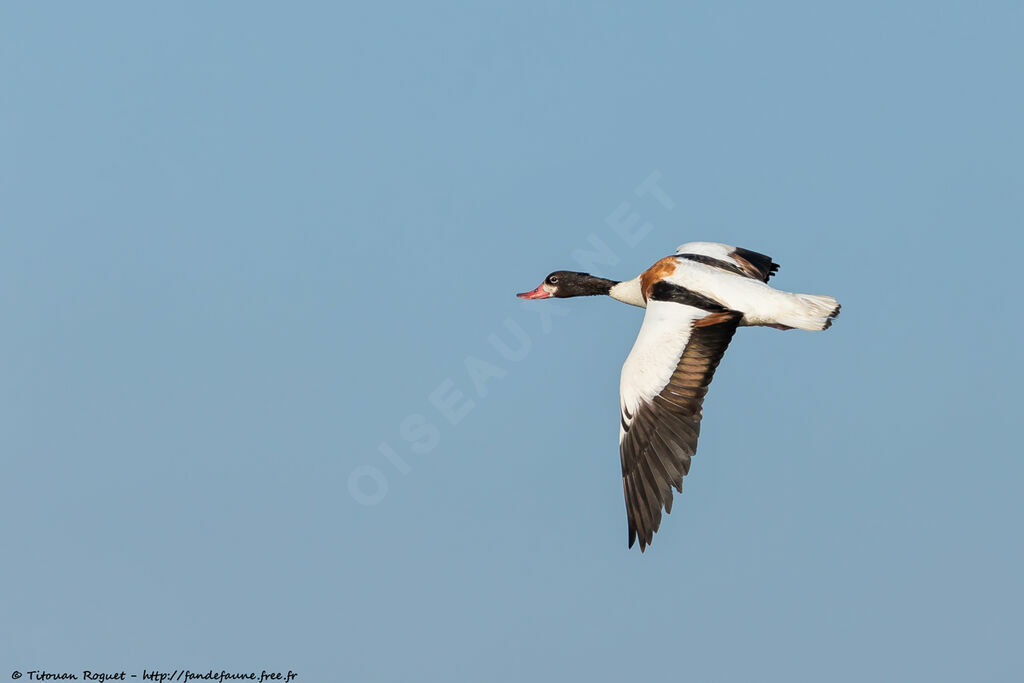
(729, 258)
(664, 380)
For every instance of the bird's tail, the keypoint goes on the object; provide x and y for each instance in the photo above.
(810, 312)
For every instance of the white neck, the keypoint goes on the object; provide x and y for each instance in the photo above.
(628, 292)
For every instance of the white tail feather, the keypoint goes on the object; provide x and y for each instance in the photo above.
(810, 312)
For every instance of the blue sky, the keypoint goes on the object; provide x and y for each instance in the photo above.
(255, 256)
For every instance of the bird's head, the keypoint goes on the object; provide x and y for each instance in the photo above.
(562, 284)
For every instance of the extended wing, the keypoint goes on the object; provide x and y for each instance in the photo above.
(730, 259)
(663, 384)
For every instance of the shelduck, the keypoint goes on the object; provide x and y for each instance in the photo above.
(694, 300)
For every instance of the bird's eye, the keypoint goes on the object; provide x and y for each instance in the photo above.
(553, 280)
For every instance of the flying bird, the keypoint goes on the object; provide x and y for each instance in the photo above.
(695, 300)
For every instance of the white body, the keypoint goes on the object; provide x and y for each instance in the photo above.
(760, 303)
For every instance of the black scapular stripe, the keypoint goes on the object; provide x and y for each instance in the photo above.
(666, 291)
(715, 263)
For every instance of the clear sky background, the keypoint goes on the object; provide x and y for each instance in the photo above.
(242, 245)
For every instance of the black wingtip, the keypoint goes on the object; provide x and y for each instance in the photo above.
(762, 262)
(831, 316)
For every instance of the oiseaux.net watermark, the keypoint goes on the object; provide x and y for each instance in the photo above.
(510, 343)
